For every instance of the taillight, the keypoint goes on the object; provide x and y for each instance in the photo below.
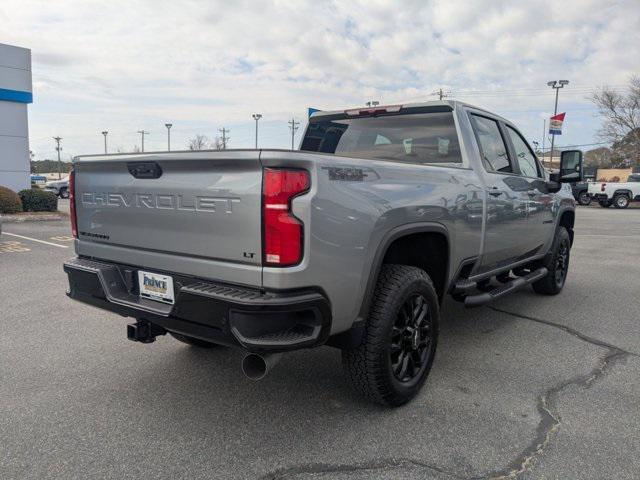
(72, 204)
(283, 232)
(602, 187)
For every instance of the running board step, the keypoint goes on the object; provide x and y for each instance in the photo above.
(510, 287)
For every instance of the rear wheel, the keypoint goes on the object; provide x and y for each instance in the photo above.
(399, 344)
(192, 341)
(584, 198)
(64, 193)
(621, 201)
(557, 264)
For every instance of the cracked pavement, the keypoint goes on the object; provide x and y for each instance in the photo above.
(531, 387)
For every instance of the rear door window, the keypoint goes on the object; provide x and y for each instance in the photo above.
(492, 146)
(420, 138)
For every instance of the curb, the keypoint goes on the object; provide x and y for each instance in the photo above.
(45, 217)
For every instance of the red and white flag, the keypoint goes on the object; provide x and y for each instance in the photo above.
(555, 124)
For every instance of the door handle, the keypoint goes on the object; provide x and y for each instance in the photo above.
(532, 193)
(494, 192)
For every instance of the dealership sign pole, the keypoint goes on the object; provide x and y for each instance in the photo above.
(556, 85)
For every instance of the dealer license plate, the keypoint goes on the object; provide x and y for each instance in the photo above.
(156, 287)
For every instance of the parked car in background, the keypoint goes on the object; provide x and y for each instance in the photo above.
(580, 192)
(59, 187)
(618, 194)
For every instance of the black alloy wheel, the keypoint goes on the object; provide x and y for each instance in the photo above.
(410, 350)
(562, 263)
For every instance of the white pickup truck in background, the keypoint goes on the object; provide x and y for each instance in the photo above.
(618, 194)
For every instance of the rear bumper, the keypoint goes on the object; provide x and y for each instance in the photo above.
(259, 321)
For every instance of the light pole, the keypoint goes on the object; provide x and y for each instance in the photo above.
(58, 149)
(256, 117)
(557, 85)
(168, 125)
(142, 134)
(105, 133)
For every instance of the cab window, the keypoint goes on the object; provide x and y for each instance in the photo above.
(524, 156)
(492, 147)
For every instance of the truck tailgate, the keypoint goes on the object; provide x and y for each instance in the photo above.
(202, 205)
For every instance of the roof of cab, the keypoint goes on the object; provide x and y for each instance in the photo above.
(454, 104)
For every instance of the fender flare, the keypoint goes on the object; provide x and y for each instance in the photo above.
(391, 236)
(624, 191)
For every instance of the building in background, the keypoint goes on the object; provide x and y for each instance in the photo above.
(15, 95)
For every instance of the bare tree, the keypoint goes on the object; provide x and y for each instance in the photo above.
(621, 121)
(199, 142)
(217, 144)
(598, 157)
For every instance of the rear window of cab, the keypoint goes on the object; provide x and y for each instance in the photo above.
(419, 138)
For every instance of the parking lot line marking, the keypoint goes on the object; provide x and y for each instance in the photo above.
(35, 240)
(62, 238)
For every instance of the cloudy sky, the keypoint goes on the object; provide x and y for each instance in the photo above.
(123, 66)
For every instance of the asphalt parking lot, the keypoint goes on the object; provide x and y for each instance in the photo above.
(531, 387)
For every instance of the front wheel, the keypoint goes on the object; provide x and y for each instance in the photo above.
(397, 351)
(64, 193)
(621, 201)
(584, 199)
(557, 264)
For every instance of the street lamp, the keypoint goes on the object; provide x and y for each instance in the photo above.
(105, 133)
(256, 117)
(168, 125)
(557, 85)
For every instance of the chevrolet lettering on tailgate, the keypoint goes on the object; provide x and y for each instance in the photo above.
(159, 201)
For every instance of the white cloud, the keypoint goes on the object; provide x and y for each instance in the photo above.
(200, 64)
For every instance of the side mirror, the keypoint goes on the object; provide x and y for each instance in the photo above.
(570, 167)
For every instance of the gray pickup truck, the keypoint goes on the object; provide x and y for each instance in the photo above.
(353, 241)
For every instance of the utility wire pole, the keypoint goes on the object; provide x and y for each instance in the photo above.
(105, 133)
(225, 139)
(441, 93)
(168, 125)
(256, 117)
(556, 85)
(142, 134)
(293, 125)
(58, 149)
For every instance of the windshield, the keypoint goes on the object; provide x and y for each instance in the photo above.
(425, 138)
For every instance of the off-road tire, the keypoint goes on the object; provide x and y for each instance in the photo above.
(551, 284)
(584, 198)
(196, 342)
(64, 193)
(621, 201)
(369, 366)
